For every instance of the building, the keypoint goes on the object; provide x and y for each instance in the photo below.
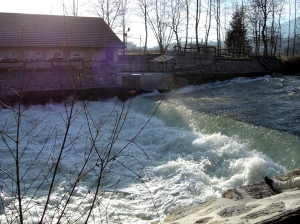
(43, 41)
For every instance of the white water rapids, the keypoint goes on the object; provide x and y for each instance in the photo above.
(196, 146)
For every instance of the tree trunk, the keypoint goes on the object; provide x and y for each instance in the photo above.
(187, 24)
(295, 25)
(198, 11)
(264, 28)
(288, 42)
(207, 26)
(146, 29)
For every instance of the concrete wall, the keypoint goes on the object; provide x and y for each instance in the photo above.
(147, 82)
(48, 82)
(218, 70)
(173, 62)
(44, 79)
(39, 85)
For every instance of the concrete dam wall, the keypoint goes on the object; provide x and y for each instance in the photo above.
(57, 84)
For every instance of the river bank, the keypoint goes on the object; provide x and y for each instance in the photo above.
(253, 203)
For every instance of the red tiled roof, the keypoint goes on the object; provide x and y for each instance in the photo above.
(32, 30)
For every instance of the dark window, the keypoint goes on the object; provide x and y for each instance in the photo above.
(109, 55)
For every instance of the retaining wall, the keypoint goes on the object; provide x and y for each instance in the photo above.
(41, 84)
(162, 63)
(218, 70)
(57, 84)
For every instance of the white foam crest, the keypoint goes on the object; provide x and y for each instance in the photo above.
(155, 92)
(173, 167)
(209, 165)
(77, 208)
(187, 89)
(247, 80)
(238, 80)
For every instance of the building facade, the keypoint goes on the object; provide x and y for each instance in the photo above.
(44, 41)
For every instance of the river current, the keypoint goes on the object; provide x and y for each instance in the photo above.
(201, 141)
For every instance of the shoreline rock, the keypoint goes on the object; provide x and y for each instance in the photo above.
(253, 203)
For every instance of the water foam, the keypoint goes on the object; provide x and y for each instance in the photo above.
(178, 160)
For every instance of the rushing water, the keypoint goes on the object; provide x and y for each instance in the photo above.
(201, 141)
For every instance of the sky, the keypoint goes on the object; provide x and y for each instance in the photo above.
(31, 6)
(54, 7)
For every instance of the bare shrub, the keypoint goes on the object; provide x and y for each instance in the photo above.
(56, 169)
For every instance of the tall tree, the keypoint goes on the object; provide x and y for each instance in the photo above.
(106, 9)
(143, 7)
(289, 29)
(187, 8)
(254, 21)
(295, 26)
(73, 8)
(280, 35)
(237, 33)
(274, 35)
(197, 21)
(208, 20)
(272, 31)
(176, 15)
(124, 19)
(217, 14)
(266, 8)
(160, 24)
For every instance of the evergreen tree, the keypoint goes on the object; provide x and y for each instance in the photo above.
(236, 37)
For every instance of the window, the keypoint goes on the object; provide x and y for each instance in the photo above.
(9, 55)
(55, 55)
(109, 55)
(76, 55)
(33, 55)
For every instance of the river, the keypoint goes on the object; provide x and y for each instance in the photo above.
(201, 141)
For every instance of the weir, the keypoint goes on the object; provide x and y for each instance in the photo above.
(39, 85)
